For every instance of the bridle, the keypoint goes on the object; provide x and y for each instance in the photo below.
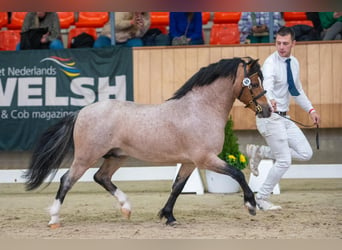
(246, 82)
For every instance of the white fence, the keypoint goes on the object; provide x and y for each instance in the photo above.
(194, 184)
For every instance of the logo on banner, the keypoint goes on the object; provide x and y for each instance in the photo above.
(66, 65)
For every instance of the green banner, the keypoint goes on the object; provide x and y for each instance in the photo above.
(37, 87)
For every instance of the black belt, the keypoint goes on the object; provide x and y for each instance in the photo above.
(280, 113)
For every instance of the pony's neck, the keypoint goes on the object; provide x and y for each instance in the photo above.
(218, 96)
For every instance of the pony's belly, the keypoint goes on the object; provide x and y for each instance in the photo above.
(156, 156)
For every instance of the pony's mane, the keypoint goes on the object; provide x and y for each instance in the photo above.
(207, 75)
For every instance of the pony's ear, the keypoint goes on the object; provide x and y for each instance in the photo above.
(247, 60)
(253, 62)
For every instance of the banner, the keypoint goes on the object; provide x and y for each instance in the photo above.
(38, 87)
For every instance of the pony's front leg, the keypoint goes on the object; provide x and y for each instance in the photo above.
(177, 187)
(220, 166)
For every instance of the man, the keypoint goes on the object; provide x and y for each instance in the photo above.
(254, 28)
(285, 140)
(332, 24)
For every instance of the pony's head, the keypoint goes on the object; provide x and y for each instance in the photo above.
(250, 91)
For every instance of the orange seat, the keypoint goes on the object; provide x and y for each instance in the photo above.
(66, 19)
(3, 19)
(17, 20)
(294, 16)
(160, 20)
(9, 39)
(225, 33)
(92, 19)
(298, 22)
(78, 30)
(205, 17)
(226, 17)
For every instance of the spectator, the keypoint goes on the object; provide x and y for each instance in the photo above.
(34, 24)
(186, 28)
(254, 28)
(130, 27)
(332, 25)
(314, 18)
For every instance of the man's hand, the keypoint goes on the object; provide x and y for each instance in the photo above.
(44, 38)
(273, 105)
(315, 117)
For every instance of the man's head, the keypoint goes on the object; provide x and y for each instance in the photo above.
(285, 41)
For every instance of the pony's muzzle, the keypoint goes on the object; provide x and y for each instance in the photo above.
(263, 111)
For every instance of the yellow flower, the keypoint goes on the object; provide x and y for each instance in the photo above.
(232, 157)
(242, 158)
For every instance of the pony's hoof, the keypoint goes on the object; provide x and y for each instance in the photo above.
(126, 213)
(251, 209)
(55, 225)
(172, 223)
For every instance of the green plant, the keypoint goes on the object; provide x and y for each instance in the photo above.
(230, 152)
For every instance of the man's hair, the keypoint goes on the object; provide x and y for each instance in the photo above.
(284, 31)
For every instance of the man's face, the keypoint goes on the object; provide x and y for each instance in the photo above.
(284, 45)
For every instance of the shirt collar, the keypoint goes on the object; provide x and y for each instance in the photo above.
(283, 59)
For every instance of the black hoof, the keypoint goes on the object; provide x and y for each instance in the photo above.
(251, 209)
(172, 223)
(170, 219)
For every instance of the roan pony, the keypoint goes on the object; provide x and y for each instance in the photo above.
(188, 128)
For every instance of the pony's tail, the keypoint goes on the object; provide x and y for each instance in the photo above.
(50, 151)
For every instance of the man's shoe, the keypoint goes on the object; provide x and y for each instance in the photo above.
(264, 204)
(254, 157)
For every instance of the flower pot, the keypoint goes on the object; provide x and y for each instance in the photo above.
(220, 183)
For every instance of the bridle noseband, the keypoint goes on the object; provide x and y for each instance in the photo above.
(246, 82)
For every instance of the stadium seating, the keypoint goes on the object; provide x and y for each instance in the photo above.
(9, 39)
(205, 17)
(3, 19)
(298, 22)
(78, 30)
(294, 16)
(226, 17)
(225, 33)
(66, 19)
(160, 20)
(17, 19)
(92, 19)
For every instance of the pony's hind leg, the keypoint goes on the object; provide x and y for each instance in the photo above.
(66, 183)
(177, 187)
(103, 177)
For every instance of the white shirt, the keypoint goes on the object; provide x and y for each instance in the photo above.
(275, 82)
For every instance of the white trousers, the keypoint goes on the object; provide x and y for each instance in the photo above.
(285, 142)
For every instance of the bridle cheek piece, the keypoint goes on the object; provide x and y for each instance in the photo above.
(246, 82)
